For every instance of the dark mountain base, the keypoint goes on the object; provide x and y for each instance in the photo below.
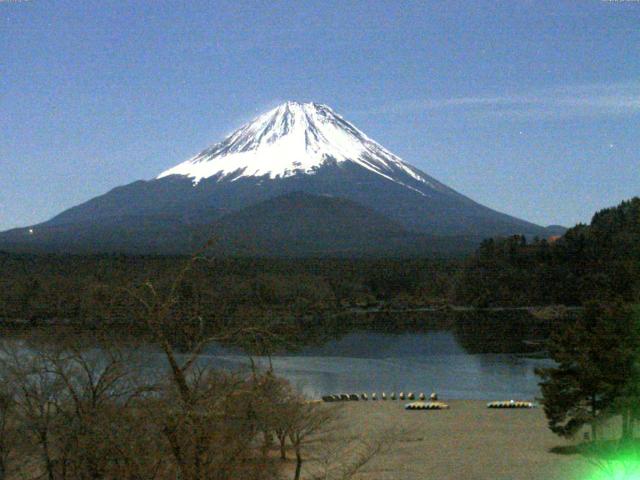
(292, 225)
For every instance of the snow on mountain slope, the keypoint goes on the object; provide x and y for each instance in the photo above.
(295, 148)
(296, 138)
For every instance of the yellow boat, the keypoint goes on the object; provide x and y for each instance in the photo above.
(426, 406)
(509, 404)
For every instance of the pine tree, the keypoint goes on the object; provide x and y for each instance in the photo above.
(596, 365)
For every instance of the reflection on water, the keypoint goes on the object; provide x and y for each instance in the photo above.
(417, 362)
(374, 344)
(470, 356)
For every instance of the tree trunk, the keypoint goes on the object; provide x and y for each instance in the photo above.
(298, 465)
(44, 441)
(177, 373)
(283, 448)
(177, 452)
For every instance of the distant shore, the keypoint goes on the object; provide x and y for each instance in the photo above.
(542, 312)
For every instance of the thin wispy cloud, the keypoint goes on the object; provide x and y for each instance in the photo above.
(561, 102)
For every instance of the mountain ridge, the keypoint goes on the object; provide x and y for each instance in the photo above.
(297, 138)
(293, 148)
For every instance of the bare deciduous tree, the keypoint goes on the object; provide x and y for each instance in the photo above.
(7, 426)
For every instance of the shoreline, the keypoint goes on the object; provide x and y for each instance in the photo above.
(330, 314)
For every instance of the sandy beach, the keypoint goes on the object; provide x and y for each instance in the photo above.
(468, 441)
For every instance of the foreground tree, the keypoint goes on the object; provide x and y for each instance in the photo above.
(37, 394)
(8, 434)
(597, 361)
(73, 409)
(209, 419)
(328, 448)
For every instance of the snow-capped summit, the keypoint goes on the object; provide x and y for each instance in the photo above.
(299, 179)
(295, 138)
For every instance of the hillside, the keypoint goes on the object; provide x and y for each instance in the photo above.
(296, 147)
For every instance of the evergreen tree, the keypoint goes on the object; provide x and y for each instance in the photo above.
(596, 365)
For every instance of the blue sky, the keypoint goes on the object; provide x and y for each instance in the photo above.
(529, 107)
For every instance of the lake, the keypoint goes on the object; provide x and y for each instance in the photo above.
(474, 358)
(484, 357)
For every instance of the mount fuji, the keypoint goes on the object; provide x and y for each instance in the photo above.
(296, 138)
(298, 164)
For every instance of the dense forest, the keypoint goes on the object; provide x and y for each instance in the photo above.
(600, 260)
(44, 287)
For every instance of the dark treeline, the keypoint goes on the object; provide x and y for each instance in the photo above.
(600, 260)
(44, 287)
(597, 261)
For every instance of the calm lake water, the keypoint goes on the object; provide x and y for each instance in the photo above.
(456, 363)
(475, 357)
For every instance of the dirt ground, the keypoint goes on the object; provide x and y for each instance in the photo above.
(468, 441)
